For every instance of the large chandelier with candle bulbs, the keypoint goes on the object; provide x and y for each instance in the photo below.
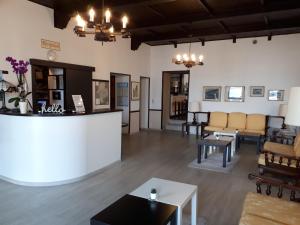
(102, 30)
(189, 60)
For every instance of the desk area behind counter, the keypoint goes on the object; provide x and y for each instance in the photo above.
(53, 149)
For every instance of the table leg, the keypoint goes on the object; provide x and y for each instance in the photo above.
(224, 156)
(194, 209)
(229, 152)
(205, 151)
(182, 129)
(197, 132)
(179, 216)
(233, 147)
(188, 129)
(199, 153)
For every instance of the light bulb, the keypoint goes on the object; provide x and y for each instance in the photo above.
(193, 57)
(92, 14)
(107, 16)
(125, 21)
(201, 58)
(78, 19)
(111, 29)
(185, 57)
(178, 57)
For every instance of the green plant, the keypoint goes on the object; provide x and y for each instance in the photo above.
(21, 98)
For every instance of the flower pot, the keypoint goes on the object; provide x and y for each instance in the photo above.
(23, 107)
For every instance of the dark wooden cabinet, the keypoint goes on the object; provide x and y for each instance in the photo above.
(55, 83)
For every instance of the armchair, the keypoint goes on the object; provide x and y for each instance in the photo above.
(281, 159)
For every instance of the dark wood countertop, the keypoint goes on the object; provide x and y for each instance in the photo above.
(99, 111)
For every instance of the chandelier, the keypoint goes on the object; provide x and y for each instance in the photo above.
(189, 60)
(103, 31)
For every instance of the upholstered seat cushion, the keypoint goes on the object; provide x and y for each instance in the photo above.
(233, 129)
(297, 145)
(256, 123)
(261, 161)
(237, 121)
(265, 208)
(211, 128)
(260, 132)
(287, 150)
(218, 119)
(257, 220)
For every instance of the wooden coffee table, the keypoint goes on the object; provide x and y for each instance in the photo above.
(132, 210)
(223, 143)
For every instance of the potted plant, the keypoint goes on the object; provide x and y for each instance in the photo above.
(20, 68)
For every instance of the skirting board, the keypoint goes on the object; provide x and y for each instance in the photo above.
(50, 184)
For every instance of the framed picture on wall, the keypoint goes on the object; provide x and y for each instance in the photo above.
(257, 91)
(101, 94)
(276, 95)
(234, 93)
(212, 93)
(135, 91)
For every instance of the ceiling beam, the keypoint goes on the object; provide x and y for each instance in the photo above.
(156, 12)
(205, 6)
(202, 34)
(197, 19)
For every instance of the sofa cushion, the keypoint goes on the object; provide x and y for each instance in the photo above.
(261, 161)
(287, 150)
(249, 131)
(218, 119)
(257, 220)
(256, 122)
(233, 129)
(211, 128)
(273, 209)
(297, 145)
(237, 120)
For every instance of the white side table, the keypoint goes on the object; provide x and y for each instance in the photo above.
(173, 193)
(229, 134)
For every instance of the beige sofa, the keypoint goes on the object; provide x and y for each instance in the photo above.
(235, 121)
(265, 210)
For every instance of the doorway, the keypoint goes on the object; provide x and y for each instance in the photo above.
(144, 102)
(175, 97)
(120, 97)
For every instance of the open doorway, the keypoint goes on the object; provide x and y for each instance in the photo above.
(120, 97)
(144, 102)
(175, 97)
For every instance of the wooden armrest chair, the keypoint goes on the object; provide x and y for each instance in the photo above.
(281, 159)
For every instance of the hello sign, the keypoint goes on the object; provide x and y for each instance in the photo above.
(55, 108)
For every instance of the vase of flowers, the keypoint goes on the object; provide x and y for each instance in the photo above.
(20, 68)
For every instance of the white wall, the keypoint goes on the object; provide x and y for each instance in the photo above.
(273, 64)
(24, 24)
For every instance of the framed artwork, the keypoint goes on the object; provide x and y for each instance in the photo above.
(101, 94)
(276, 95)
(212, 93)
(257, 91)
(135, 91)
(122, 94)
(234, 93)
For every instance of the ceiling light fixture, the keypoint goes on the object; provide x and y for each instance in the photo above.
(103, 31)
(189, 60)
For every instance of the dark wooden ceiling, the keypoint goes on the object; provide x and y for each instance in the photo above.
(161, 22)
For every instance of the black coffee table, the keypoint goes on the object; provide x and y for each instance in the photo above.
(223, 145)
(132, 210)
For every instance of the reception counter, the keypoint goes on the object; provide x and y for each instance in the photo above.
(47, 150)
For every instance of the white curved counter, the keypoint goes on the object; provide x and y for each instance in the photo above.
(53, 150)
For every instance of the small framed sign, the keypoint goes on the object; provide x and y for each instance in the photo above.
(54, 45)
(78, 103)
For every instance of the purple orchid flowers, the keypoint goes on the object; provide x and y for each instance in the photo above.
(20, 67)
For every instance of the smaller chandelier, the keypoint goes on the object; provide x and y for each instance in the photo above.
(103, 31)
(189, 60)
